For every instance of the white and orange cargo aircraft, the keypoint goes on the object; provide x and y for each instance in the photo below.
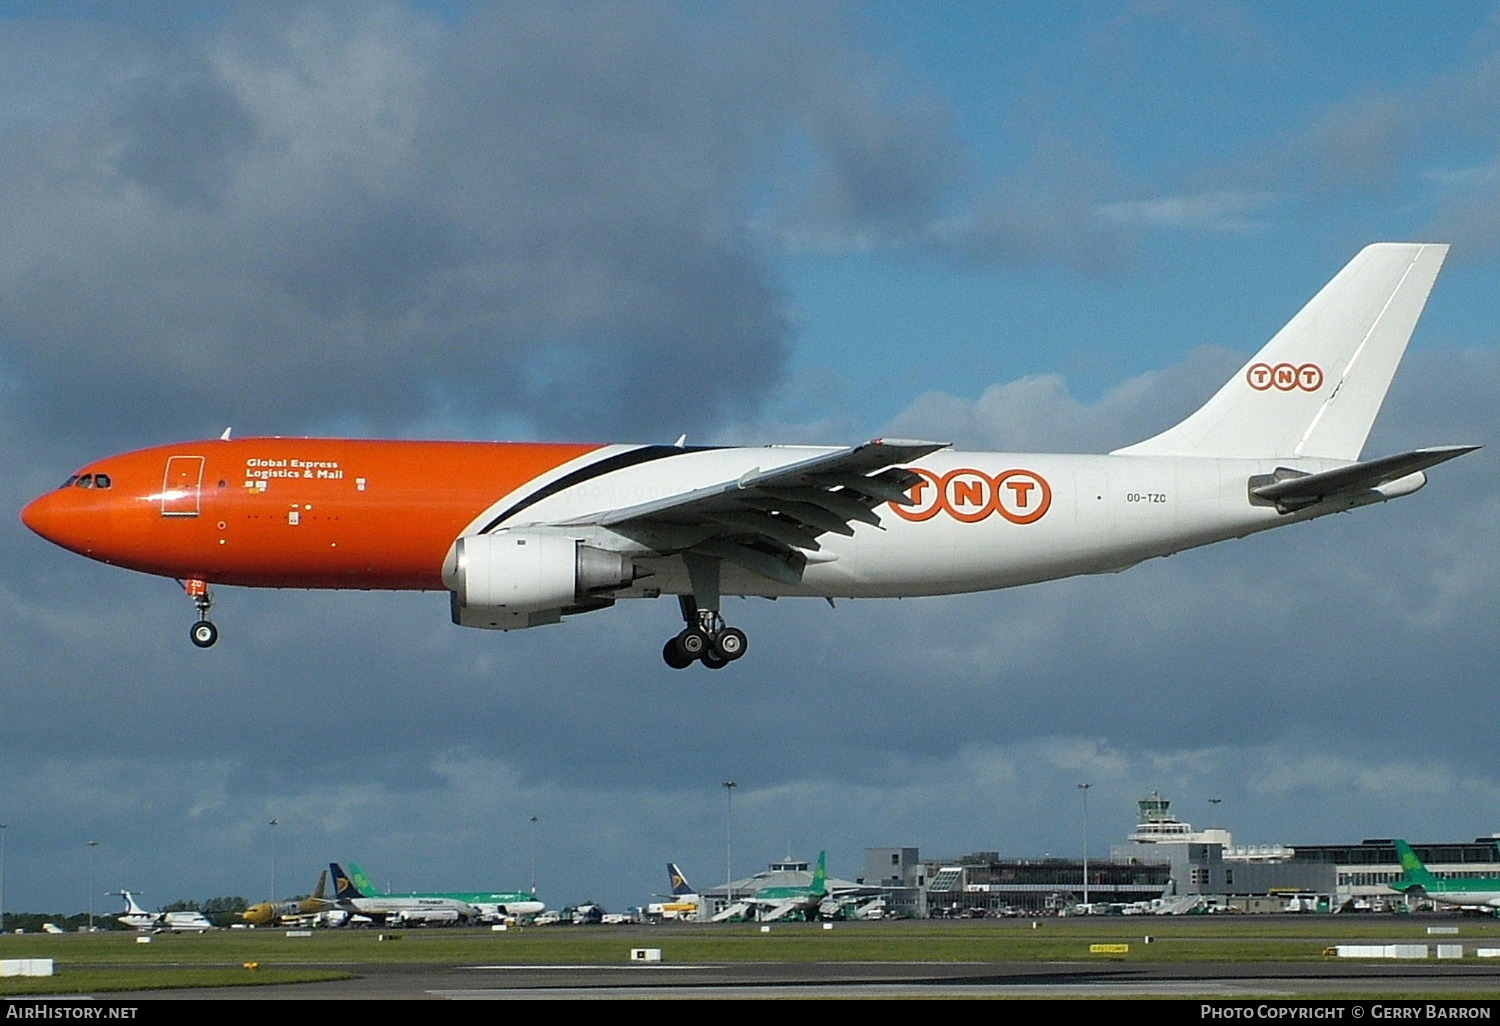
(524, 534)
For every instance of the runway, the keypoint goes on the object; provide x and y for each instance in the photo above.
(767, 981)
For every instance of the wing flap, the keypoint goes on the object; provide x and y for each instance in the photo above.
(785, 569)
(808, 513)
(841, 504)
(769, 525)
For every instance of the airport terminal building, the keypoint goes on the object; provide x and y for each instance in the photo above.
(1167, 866)
(1164, 865)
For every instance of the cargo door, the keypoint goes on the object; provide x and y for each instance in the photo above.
(181, 486)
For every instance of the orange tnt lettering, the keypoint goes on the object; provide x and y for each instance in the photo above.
(926, 498)
(1286, 377)
(970, 493)
(969, 496)
(1013, 496)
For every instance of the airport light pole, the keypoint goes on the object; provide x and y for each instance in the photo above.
(1085, 789)
(93, 846)
(273, 824)
(729, 786)
(4, 828)
(533, 856)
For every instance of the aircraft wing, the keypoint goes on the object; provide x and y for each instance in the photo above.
(782, 908)
(767, 521)
(739, 908)
(1290, 490)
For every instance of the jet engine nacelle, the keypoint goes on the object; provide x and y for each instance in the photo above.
(514, 579)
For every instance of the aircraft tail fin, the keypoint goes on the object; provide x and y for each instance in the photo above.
(360, 880)
(343, 886)
(1412, 869)
(679, 881)
(1315, 388)
(320, 892)
(820, 874)
(132, 908)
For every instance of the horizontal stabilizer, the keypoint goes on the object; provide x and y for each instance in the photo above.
(1291, 490)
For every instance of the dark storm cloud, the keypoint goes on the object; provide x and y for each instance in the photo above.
(538, 212)
(179, 129)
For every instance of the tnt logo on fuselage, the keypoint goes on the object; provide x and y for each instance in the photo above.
(1285, 377)
(969, 496)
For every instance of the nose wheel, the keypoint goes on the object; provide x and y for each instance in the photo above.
(203, 633)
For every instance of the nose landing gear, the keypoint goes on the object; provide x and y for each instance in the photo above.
(203, 633)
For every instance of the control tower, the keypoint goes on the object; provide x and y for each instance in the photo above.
(1157, 825)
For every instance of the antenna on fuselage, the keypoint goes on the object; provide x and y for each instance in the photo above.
(681, 441)
(225, 436)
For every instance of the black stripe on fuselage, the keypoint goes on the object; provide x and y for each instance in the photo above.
(620, 461)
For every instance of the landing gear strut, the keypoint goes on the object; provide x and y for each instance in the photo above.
(706, 638)
(203, 633)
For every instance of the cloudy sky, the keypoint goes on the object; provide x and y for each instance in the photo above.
(1011, 226)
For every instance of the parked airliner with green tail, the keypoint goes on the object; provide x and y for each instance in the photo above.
(1417, 881)
(768, 904)
(489, 903)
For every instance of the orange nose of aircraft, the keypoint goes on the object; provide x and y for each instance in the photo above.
(58, 517)
(40, 515)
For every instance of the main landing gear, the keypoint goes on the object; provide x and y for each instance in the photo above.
(706, 639)
(203, 633)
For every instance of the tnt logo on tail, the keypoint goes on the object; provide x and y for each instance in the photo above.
(1285, 377)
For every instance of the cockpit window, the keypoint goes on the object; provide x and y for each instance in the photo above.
(87, 481)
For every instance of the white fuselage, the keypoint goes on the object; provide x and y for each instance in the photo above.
(981, 521)
(386, 906)
(1480, 899)
(175, 922)
(526, 907)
